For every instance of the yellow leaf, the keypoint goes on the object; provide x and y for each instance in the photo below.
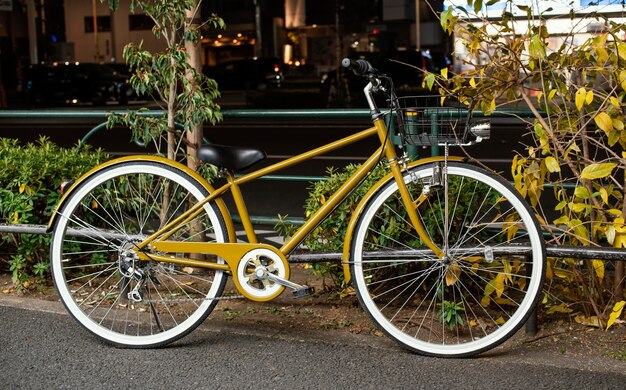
(615, 102)
(499, 284)
(589, 97)
(597, 170)
(581, 95)
(610, 234)
(563, 274)
(620, 240)
(579, 229)
(604, 195)
(551, 94)
(552, 164)
(485, 301)
(562, 308)
(500, 321)
(94, 204)
(588, 321)
(598, 266)
(549, 272)
(617, 311)
(604, 121)
(322, 199)
(444, 73)
(621, 50)
(577, 207)
(564, 219)
(452, 274)
(622, 79)
(581, 192)
(430, 80)
(536, 47)
(16, 217)
(472, 82)
(603, 55)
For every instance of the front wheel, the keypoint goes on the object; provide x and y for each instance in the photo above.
(485, 286)
(99, 277)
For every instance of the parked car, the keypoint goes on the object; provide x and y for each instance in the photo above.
(249, 74)
(75, 83)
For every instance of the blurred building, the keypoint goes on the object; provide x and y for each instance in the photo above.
(66, 29)
(313, 33)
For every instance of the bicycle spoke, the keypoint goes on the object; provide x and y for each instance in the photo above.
(101, 278)
(477, 294)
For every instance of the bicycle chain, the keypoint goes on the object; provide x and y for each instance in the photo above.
(223, 298)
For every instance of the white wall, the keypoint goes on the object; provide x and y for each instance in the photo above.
(85, 46)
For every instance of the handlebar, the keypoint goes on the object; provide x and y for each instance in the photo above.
(359, 67)
(364, 68)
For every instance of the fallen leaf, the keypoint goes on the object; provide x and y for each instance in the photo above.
(587, 321)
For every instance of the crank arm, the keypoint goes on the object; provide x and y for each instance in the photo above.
(298, 289)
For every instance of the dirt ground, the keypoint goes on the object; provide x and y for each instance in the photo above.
(328, 312)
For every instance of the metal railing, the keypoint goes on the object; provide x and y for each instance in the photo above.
(245, 114)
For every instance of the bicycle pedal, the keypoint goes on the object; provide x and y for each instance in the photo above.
(303, 292)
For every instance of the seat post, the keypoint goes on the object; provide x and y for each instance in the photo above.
(241, 206)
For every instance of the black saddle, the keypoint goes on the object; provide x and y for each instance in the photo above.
(233, 158)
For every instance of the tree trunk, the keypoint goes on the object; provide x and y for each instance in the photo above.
(194, 137)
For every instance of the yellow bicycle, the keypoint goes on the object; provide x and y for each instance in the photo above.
(445, 257)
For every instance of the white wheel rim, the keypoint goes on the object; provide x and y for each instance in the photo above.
(534, 285)
(59, 278)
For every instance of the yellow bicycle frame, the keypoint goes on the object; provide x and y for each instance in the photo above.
(233, 251)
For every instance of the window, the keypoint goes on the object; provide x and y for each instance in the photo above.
(104, 23)
(139, 22)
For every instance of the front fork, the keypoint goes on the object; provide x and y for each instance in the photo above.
(398, 166)
(411, 205)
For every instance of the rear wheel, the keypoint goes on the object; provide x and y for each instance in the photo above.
(99, 277)
(486, 285)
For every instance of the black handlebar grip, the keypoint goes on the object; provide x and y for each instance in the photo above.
(359, 67)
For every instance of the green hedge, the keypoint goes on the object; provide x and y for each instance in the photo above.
(329, 236)
(30, 178)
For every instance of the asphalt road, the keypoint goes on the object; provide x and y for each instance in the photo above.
(42, 347)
